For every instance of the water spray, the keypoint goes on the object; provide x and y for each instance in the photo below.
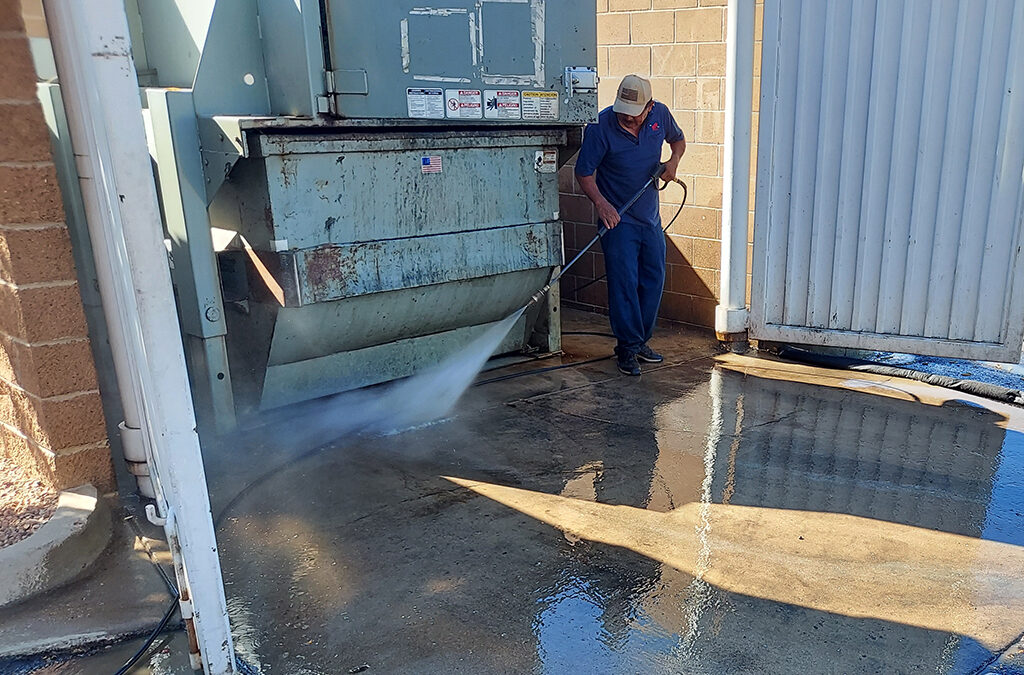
(314, 426)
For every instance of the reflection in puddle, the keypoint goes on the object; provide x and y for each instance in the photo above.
(899, 510)
(577, 630)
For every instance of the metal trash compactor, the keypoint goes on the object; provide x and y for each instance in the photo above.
(353, 190)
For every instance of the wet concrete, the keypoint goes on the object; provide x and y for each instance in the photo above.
(716, 515)
(122, 594)
(168, 655)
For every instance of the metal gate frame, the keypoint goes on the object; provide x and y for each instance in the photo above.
(99, 84)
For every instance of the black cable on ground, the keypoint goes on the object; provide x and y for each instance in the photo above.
(588, 332)
(992, 391)
(152, 637)
(538, 371)
(664, 229)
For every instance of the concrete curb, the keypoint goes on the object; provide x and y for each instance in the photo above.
(60, 550)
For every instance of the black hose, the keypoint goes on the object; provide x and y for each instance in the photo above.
(538, 371)
(548, 369)
(664, 229)
(152, 637)
(588, 332)
(985, 390)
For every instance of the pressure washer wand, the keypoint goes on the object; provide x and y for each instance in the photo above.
(539, 295)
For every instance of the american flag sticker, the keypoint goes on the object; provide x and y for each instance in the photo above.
(430, 164)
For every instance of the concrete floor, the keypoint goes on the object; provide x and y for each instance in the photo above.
(119, 596)
(719, 514)
(716, 515)
(168, 655)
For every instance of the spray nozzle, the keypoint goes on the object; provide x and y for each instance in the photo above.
(538, 296)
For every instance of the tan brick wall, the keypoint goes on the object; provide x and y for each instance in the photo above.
(680, 46)
(51, 419)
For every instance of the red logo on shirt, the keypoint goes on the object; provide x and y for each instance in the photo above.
(654, 126)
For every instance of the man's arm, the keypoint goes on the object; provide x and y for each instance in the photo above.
(605, 211)
(672, 164)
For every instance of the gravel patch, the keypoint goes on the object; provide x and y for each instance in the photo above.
(25, 503)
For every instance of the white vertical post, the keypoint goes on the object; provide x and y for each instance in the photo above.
(731, 313)
(101, 96)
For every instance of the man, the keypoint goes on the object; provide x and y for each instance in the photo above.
(624, 149)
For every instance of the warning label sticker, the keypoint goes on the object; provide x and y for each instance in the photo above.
(425, 103)
(502, 105)
(463, 103)
(546, 161)
(540, 105)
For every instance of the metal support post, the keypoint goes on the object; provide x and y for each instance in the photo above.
(196, 277)
(731, 313)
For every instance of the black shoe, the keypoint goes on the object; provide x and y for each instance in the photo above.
(648, 355)
(627, 364)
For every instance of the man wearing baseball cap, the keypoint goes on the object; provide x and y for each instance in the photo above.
(619, 154)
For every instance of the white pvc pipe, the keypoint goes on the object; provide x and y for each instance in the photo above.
(100, 90)
(731, 313)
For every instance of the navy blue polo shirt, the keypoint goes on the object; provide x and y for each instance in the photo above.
(624, 162)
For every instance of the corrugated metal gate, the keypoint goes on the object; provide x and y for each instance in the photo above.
(889, 179)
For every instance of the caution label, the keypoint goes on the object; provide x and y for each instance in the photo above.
(546, 161)
(540, 105)
(463, 103)
(425, 103)
(502, 105)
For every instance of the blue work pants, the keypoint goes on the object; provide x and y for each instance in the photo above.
(634, 260)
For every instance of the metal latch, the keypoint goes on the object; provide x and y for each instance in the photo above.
(347, 82)
(580, 80)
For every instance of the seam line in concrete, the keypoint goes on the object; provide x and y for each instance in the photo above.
(64, 453)
(1003, 657)
(14, 431)
(19, 101)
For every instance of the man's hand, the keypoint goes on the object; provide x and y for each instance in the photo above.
(672, 163)
(605, 211)
(607, 214)
(669, 174)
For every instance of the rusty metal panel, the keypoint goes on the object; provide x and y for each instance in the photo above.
(365, 251)
(367, 187)
(334, 272)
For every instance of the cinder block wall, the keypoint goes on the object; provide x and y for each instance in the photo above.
(51, 419)
(680, 46)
